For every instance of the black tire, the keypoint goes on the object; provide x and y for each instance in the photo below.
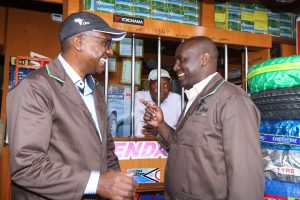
(278, 103)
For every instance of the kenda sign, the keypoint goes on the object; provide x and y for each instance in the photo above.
(139, 150)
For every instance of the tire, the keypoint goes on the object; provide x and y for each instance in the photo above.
(276, 73)
(278, 103)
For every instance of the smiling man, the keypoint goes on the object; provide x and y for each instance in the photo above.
(170, 103)
(60, 143)
(214, 153)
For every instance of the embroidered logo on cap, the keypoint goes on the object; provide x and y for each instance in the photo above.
(81, 21)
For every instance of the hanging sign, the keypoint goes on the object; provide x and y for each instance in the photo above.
(126, 150)
(145, 175)
(128, 20)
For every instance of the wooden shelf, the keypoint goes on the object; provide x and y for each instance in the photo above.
(150, 187)
(161, 28)
(51, 1)
(176, 30)
(284, 40)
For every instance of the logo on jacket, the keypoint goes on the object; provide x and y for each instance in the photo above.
(200, 109)
(81, 21)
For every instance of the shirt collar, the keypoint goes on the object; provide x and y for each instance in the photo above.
(88, 81)
(166, 99)
(198, 87)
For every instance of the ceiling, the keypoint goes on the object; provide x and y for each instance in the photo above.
(293, 6)
(42, 5)
(36, 5)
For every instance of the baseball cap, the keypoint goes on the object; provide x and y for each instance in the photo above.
(84, 21)
(163, 74)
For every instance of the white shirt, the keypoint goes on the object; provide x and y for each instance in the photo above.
(171, 108)
(196, 89)
(87, 86)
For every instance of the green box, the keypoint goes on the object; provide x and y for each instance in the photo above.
(234, 14)
(233, 6)
(107, 1)
(141, 9)
(260, 7)
(191, 8)
(249, 7)
(234, 24)
(191, 1)
(159, 6)
(220, 7)
(175, 9)
(142, 1)
(123, 7)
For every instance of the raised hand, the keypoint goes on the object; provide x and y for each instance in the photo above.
(153, 116)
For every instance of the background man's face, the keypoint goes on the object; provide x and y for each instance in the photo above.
(164, 89)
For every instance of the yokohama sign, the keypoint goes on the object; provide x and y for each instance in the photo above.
(129, 20)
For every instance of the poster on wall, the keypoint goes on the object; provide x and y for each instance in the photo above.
(112, 64)
(118, 112)
(145, 175)
(126, 72)
(125, 47)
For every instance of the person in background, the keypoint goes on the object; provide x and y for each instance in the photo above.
(60, 144)
(170, 103)
(214, 153)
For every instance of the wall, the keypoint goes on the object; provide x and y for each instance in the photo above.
(25, 31)
(2, 24)
(288, 49)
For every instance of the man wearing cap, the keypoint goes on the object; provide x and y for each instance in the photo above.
(170, 103)
(60, 144)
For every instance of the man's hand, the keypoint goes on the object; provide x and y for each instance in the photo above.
(149, 131)
(116, 185)
(153, 116)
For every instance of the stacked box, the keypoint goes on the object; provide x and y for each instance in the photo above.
(124, 7)
(105, 6)
(234, 23)
(286, 25)
(175, 10)
(233, 6)
(234, 16)
(260, 19)
(190, 2)
(221, 15)
(260, 7)
(159, 9)
(191, 12)
(88, 4)
(141, 8)
(247, 18)
(273, 23)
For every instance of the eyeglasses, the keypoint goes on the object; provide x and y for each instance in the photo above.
(107, 43)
